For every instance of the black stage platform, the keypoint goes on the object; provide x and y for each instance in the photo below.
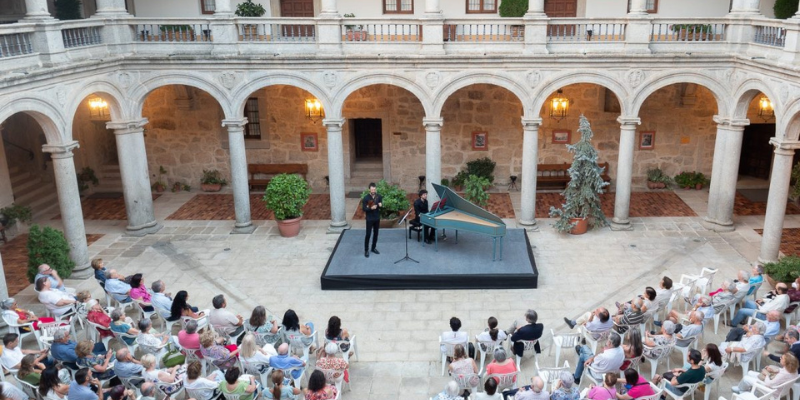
(465, 265)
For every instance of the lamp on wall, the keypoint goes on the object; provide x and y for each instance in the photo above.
(314, 110)
(765, 109)
(559, 106)
(98, 109)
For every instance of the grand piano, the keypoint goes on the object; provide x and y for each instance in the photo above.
(454, 212)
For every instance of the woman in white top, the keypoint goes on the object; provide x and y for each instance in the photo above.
(772, 376)
(56, 301)
(158, 375)
(492, 334)
(202, 388)
(249, 351)
(489, 392)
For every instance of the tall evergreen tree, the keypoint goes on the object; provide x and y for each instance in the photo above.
(68, 9)
(582, 195)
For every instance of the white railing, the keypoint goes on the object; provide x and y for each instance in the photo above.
(171, 30)
(381, 30)
(594, 30)
(484, 30)
(770, 33)
(15, 40)
(688, 30)
(289, 30)
(80, 33)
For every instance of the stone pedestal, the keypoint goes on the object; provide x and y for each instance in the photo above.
(69, 202)
(37, 9)
(535, 8)
(433, 155)
(432, 6)
(111, 8)
(241, 189)
(135, 180)
(530, 159)
(336, 174)
(622, 198)
(724, 174)
(776, 204)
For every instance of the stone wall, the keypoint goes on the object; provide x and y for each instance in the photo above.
(98, 144)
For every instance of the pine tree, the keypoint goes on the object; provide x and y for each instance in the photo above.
(582, 194)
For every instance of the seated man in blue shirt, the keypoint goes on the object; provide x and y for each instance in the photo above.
(128, 367)
(85, 387)
(55, 281)
(284, 361)
(116, 286)
(63, 349)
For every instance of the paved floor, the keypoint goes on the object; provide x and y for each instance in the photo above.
(397, 330)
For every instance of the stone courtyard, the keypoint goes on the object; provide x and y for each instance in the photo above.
(397, 331)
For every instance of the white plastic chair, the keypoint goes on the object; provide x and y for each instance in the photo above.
(255, 368)
(690, 389)
(766, 393)
(633, 363)
(296, 342)
(755, 291)
(685, 349)
(714, 380)
(550, 375)
(792, 315)
(223, 333)
(349, 344)
(14, 327)
(139, 305)
(562, 341)
(486, 348)
(796, 390)
(706, 280)
(470, 381)
(192, 355)
(170, 389)
(167, 324)
(121, 338)
(95, 329)
(267, 338)
(449, 350)
(202, 322)
(30, 390)
(334, 377)
(657, 391)
(505, 381)
(602, 337)
(528, 350)
(590, 374)
(287, 372)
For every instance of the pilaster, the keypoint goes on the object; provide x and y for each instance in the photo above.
(336, 174)
(241, 189)
(530, 159)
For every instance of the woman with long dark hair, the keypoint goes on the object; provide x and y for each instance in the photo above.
(259, 323)
(318, 388)
(181, 308)
(291, 325)
(50, 386)
(492, 334)
(335, 333)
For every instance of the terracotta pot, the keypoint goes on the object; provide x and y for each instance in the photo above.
(389, 223)
(687, 188)
(160, 188)
(772, 282)
(698, 186)
(211, 187)
(662, 185)
(581, 227)
(289, 227)
(652, 185)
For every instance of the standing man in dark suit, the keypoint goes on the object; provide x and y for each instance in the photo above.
(531, 331)
(371, 204)
(791, 338)
(421, 207)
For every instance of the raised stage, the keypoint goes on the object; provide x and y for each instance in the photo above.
(465, 265)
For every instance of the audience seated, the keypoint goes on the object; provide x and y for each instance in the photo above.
(251, 353)
(646, 301)
(153, 374)
(328, 360)
(120, 325)
(58, 302)
(606, 391)
(21, 316)
(630, 316)
(634, 349)
(285, 361)
(97, 363)
(771, 376)
(738, 286)
(596, 322)
(489, 392)
(502, 364)
(126, 366)
(651, 342)
(318, 388)
(232, 385)
(98, 316)
(139, 292)
(534, 391)
(120, 393)
(222, 357)
(712, 358)
(566, 388)
(636, 385)
(334, 332)
(530, 331)
(149, 339)
(56, 283)
(450, 392)
(181, 307)
(116, 286)
(696, 373)
(221, 318)
(291, 325)
(462, 364)
(701, 304)
(760, 307)
(756, 278)
(664, 290)
(207, 387)
(259, 323)
(492, 334)
(453, 336)
(791, 338)
(50, 385)
(161, 301)
(29, 370)
(99, 272)
(280, 390)
(85, 386)
(13, 354)
(690, 330)
(188, 338)
(609, 360)
(148, 391)
(63, 349)
(746, 348)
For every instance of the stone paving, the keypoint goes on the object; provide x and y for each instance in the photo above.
(643, 204)
(790, 241)
(397, 330)
(744, 206)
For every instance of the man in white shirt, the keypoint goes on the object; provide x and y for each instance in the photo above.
(761, 307)
(160, 300)
(609, 360)
(116, 286)
(596, 322)
(220, 317)
(453, 336)
(13, 354)
(692, 329)
(56, 283)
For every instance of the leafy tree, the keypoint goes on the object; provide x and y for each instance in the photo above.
(513, 8)
(785, 8)
(48, 246)
(68, 9)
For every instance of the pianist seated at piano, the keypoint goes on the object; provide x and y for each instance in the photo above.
(421, 207)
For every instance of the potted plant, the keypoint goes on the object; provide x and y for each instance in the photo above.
(656, 179)
(685, 180)
(395, 200)
(784, 8)
(178, 186)
(476, 190)
(459, 180)
(252, 10)
(514, 9)
(159, 186)
(13, 213)
(787, 269)
(355, 32)
(582, 207)
(692, 32)
(699, 180)
(85, 176)
(177, 32)
(212, 180)
(445, 182)
(285, 196)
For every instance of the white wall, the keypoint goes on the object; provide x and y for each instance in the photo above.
(181, 8)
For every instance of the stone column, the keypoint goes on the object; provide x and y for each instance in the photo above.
(433, 155)
(432, 6)
(638, 7)
(336, 174)
(622, 198)
(241, 189)
(329, 7)
(110, 7)
(752, 7)
(776, 204)
(135, 176)
(69, 202)
(530, 159)
(37, 9)
(535, 8)
(3, 284)
(724, 174)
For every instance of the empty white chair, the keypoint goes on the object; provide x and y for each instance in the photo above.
(589, 336)
(550, 375)
(712, 378)
(448, 350)
(692, 341)
(563, 341)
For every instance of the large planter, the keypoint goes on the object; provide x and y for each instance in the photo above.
(289, 227)
(389, 223)
(356, 36)
(211, 187)
(772, 282)
(652, 185)
(581, 226)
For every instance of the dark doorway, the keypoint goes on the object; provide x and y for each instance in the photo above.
(368, 134)
(301, 9)
(756, 151)
(561, 8)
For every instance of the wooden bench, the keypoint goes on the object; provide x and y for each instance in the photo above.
(272, 169)
(555, 176)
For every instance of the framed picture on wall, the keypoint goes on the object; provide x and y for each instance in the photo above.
(562, 136)
(308, 141)
(647, 140)
(480, 141)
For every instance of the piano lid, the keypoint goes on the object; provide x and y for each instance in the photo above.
(459, 203)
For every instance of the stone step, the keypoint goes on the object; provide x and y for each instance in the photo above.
(18, 177)
(42, 190)
(42, 201)
(26, 187)
(46, 208)
(112, 175)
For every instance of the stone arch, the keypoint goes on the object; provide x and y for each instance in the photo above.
(45, 114)
(788, 121)
(139, 95)
(541, 95)
(382, 78)
(239, 97)
(472, 78)
(117, 102)
(717, 90)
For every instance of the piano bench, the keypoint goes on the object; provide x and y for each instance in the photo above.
(415, 228)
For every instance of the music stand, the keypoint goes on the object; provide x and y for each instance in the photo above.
(404, 221)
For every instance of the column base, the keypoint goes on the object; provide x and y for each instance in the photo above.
(620, 225)
(528, 224)
(717, 226)
(244, 229)
(143, 230)
(337, 228)
(82, 271)
(763, 261)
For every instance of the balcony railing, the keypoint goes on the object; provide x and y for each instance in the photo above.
(81, 36)
(569, 30)
(15, 40)
(770, 34)
(688, 30)
(381, 30)
(484, 30)
(170, 30)
(282, 30)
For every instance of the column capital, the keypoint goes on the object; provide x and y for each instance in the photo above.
(531, 123)
(728, 123)
(333, 123)
(629, 121)
(784, 147)
(432, 123)
(234, 124)
(61, 150)
(126, 127)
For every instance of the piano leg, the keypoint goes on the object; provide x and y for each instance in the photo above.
(501, 249)
(456, 236)
(494, 248)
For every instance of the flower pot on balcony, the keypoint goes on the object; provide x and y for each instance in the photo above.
(356, 35)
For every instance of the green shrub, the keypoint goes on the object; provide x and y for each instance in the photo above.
(690, 179)
(212, 177)
(513, 8)
(794, 194)
(68, 9)
(460, 179)
(48, 246)
(787, 269)
(446, 182)
(250, 9)
(395, 199)
(85, 176)
(13, 213)
(785, 8)
(476, 190)
(482, 167)
(286, 195)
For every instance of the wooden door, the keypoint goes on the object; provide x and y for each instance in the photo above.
(368, 134)
(298, 9)
(561, 8)
(756, 158)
